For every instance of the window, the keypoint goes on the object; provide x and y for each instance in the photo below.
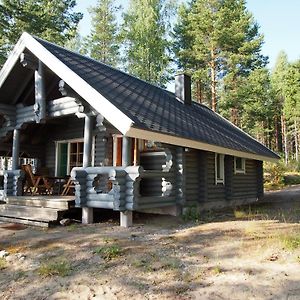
(219, 168)
(69, 155)
(239, 165)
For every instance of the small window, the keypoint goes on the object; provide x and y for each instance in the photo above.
(239, 165)
(219, 168)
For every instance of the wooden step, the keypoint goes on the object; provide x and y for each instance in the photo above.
(42, 214)
(24, 221)
(57, 202)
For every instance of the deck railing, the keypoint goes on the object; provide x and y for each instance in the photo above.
(120, 189)
(13, 183)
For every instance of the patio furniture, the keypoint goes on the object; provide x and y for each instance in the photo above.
(36, 184)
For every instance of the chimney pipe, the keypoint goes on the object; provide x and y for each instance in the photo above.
(183, 88)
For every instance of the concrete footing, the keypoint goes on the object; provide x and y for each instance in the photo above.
(126, 219)
(87, 215)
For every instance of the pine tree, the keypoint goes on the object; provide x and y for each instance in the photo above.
(221, 39)
(53, 20)
(278, 81)
(146, 42)
(186, 59)
(291, 106)
(102, 43)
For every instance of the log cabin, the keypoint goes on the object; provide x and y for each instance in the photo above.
(127, 145)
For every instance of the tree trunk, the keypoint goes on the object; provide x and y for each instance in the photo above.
(296, 141)
(198, 91)
(278, 134)
(284, 135)
(213, 81)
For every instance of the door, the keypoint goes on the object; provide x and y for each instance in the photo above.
(62, 168)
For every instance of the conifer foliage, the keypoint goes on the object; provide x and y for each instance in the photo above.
(102, 43)
(53, 20)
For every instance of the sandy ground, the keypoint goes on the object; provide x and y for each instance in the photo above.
(241, 254)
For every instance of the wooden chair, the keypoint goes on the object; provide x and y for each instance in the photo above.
(69, 187)
(36, 184)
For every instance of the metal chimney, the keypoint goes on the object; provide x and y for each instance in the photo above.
(183, 88)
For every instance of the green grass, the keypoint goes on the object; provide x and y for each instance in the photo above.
(291, 241)
(109, 252)
(153, 262)
(3, 263)
(55, 268)
(217, 270)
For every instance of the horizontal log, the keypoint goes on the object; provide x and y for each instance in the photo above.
(24, 109)
(6, 108)
(66, 112)
(100, 204)
(155, 199)
(100, 197)
(62, 107)
(61, 100)
(135, 206)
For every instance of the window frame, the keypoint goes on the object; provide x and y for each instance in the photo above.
(69, 142)
(219, 159)
(240, 170)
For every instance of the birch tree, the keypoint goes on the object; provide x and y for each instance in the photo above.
(146, 41)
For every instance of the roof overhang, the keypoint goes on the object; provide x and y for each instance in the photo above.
(110, 112)
(184, 142)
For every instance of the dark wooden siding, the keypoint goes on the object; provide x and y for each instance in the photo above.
(200, 184)
(246, 186)
(215, 192)
(195, 164)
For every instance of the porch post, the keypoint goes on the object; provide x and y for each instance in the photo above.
(40, 95)
(87, 212)
(126, 151)
(126, 216)
(87, 142)
(16, 149)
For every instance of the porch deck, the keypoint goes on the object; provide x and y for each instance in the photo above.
(35, 210)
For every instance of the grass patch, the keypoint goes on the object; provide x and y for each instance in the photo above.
(55, 268)
(13, 249)
(239, 214)
(217, 270)
(109, 252)
(291, 241)
(3, 263)
(154, 262)
(20, 275)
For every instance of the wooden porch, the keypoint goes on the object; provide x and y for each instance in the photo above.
(36, 210)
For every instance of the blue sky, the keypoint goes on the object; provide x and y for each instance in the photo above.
(279, 21)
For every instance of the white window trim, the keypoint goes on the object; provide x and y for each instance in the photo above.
(222, 170)
(240, 171)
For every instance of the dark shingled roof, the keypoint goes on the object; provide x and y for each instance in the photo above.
(155, 109)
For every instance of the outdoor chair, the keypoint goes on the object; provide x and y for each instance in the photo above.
(69, 187)
(36, 184)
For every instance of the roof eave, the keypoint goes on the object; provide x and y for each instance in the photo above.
(184, 142)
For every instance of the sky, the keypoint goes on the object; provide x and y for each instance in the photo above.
(279, 21)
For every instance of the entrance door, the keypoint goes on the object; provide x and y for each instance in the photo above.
(62, 167)
(69, 155)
